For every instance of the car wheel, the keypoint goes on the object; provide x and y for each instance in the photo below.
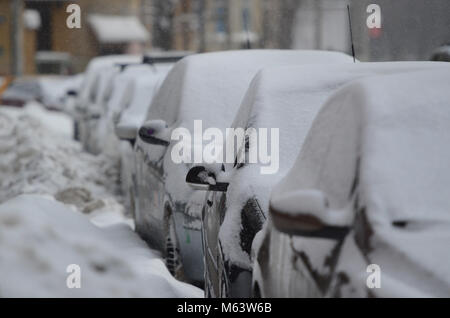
(173, 259)
(207, 283)
(207, 287)
(256, 291)
(132, 204)
(223, 285)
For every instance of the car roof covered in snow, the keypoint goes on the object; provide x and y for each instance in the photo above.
(123, 86)
(211, 86)
(97, 64)
(145, 87)
(288, 98)
(379, 114)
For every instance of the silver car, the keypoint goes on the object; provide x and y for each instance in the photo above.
(364, 212)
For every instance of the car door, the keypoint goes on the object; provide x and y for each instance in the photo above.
(330, 163)
(150, 194)
(212, 217)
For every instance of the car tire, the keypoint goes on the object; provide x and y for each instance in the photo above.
(256, 291)
(173, 258)
(132, 204)
(224, 293)
(207, 287)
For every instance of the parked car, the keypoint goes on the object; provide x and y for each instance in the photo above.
(114, 93)
(21, 91)
(87, 93)
(207, 87)
(128, 121)
(50, 90)
(232, 218)
(55, 91)
(368, 195)
(441, 54)
(106, 103)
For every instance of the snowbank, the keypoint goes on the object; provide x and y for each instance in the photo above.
(46, 184)
(40, 238)
(38, 159)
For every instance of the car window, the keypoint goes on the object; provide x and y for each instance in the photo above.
(94, 89)
(329, 158)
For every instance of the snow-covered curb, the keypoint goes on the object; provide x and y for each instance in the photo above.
(61, 206)
(41, 237)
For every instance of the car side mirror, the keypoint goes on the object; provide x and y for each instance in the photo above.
(155, 132)
(307, 213)
(126, 132)
(201, 179)
(72, 92)
(94, 112)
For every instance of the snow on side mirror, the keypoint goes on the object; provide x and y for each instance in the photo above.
(72, 92)
(198, 178)
(126, 132)
(94, 112)
(155, 132)
(307, 213)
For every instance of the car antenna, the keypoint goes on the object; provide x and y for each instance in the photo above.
(351, 33)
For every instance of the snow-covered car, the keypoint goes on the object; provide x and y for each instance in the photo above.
(88, 91)
(121, 95)
(441, 54)
(113, 80)
(171, 57)
(21, 91)
(232, 218)
(143, 88)
(207, 87)
(59, 92)
(103, 97)
(364, 210)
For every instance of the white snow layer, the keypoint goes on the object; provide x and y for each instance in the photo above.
(396, 128)
(194, 90)
(288, 98)
(35, 159)
(40, 236)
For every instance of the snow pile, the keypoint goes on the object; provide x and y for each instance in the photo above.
(55, 122)
(40, 238)
(46, 181)
(38, 160)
